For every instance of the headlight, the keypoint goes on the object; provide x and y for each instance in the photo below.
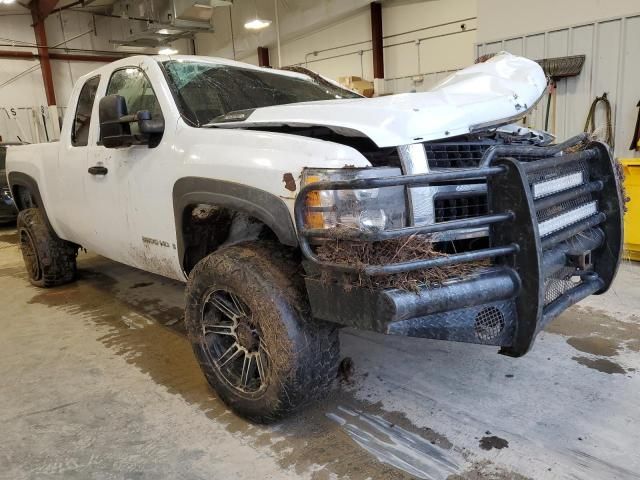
(371, 209)
(5, 195)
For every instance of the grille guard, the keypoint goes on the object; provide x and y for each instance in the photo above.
(511, 302)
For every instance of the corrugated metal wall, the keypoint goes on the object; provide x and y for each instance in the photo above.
(612, 49)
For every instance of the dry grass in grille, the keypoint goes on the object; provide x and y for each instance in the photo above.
(360, 254)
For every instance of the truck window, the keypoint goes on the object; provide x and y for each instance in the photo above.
(82, 119)
(204, 91)
(135, 87)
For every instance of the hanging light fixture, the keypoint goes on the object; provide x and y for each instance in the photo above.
(167, 51)
(257, 23)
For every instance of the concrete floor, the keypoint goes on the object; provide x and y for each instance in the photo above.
(98, 381)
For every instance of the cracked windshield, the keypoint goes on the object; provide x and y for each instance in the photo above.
(206, 92)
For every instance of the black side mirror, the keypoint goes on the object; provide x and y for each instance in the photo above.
(111, 109)
(115, 128)
(148, 125)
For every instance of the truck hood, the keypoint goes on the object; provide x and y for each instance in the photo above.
(493, 93)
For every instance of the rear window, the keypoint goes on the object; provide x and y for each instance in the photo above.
(82, 119)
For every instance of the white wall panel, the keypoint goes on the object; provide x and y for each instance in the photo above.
(508, 19)
(514, 45)
(534, 46)
(333, 48)
(612, 66)
(578, 92)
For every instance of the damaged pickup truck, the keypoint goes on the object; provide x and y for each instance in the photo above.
(292, 207)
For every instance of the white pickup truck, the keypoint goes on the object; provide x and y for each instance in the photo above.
(235, 178)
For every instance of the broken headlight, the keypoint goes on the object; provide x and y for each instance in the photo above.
(372, 209)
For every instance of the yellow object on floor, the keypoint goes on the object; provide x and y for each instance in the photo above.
(632, 217)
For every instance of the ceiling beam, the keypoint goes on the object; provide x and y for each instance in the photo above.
(69, 57)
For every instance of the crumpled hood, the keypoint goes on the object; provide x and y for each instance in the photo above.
(492, 93)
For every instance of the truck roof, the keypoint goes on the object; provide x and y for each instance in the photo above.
(135, 59)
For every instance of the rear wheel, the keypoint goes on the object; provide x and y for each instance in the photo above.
(251, 332)
(49, 260)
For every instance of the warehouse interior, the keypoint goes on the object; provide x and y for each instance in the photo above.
(99, 379)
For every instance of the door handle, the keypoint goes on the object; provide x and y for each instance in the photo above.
(98, 170)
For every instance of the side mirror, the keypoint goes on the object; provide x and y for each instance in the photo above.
(111, 109)
(115, 128)
(148, 125)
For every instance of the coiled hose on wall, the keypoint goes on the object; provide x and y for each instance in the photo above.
(590, 124)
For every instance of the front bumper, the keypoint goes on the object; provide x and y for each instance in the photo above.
(548, 251)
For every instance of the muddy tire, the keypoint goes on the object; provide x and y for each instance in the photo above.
(251, 331)
(49, 260)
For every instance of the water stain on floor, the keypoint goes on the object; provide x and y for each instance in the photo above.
(594, 332)
(485, 470)
(493, 441)
(595, 345)
(584, 322)
(10, 237)
(603, 365)
(160, 348)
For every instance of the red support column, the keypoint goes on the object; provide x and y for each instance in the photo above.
(43, 54)
(376, 40)
(263, 57)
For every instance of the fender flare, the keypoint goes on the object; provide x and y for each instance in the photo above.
(19, 179)
(260, 204)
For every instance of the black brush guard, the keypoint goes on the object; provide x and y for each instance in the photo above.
(532, 279)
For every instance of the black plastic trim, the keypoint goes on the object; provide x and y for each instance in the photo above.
(19, 179)
(264, 206)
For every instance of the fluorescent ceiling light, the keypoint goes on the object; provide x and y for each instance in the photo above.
(257, 24)
(168, 51)
(168, 31)
(8, 2)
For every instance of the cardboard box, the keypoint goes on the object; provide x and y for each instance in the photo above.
(357, 84)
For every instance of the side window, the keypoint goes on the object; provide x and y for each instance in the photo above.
(134, 86)
(82, 119)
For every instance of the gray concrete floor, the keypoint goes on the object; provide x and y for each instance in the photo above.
(98, 381)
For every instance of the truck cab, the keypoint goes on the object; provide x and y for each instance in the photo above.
(289, 204)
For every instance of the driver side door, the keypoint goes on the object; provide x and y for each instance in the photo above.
(113, 173)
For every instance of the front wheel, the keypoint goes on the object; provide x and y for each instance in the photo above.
(250, 330)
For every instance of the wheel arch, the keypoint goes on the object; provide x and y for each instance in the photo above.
(254, 202)
(18, 181)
